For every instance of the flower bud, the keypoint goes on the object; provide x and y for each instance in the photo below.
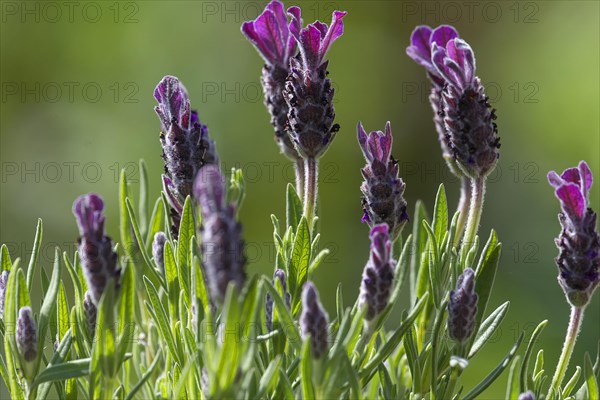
(462, 307)
(382, 189)
(223, 256)
(313, 321)
(280, 276)
(185, 142)
(378, 275)
(529, 395)
(579, 242)
(3, 283)
(158, 250)
(98, 259)
(308, 91)
(26, 335)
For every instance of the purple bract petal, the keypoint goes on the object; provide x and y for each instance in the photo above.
(88, 213)
(173, 103)
(443, 34)
(209, 190)
(572, 188)
(572, 200)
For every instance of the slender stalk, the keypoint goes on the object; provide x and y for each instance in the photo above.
(477, 196)
(463, 208)
(310, 188)
(299, 167)
(565, 356)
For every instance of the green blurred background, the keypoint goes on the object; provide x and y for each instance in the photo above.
(77, 105)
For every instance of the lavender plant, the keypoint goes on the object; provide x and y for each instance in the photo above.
(172, 310)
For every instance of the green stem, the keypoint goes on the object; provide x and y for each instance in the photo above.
(463, 209)
(565, 356)
(477, 196)
(299, 167)
(310, 189)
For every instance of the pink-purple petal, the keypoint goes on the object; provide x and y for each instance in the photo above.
(586, 177)
(336, 29)
(443, 34)
(572, 200)
(554, 179)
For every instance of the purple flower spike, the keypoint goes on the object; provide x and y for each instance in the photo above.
(98, 259)
(26, 335)
(270, 34)
(579, 242)
(90, 311)
(528, 395)
(3, 283)
(280, 276)
(223, 256)
(382, 189)
(378, 275)
(462, 307)
(185, 142)
(462, 114)
(308, 91)
(314, 321)
(158, 250)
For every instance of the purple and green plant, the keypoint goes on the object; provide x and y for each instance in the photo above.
(172, 308)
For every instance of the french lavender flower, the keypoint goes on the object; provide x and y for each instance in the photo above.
(185, 142)
(464, 117)
(280, 276)
(270, 34)
(314, 320)
(308, 91)
(529, 395)
(90, 312)
(462, 307)
(98, 259)
(3, 283)
(222, 244)
(382, 189)
(579, 242)
(378, 275)
(158, 249)
(26, 335)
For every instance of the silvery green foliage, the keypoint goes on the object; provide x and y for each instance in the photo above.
(192, 324)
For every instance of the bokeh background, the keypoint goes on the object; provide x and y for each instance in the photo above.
(77, 106)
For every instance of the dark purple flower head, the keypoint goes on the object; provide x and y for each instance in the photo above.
(378, 275)
(90, 312)
(579, 242)
(382, 189)
(185, 142)
(308, 91)
(463, 115)
(223, 256)
(314, 320)
(316, 38)
(26, 335)
(462, 307)
(270, 34)
(98, 259)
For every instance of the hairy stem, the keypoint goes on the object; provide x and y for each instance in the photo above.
(463, 208)
(565, 356)
(310, 188)
(477, 195)
(299, 167)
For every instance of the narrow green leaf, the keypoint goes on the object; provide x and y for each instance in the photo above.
(62, 315)
(103, 359)
(300, 258)
(572, 382)
(172, 280)
(496, 372)
(125, 228)
(269, 378)
(523, 384)
(156, 224)
(486, 273)
(9, 317)
(488, 327)
(440, 214)
(419, 242)
(317, 260)
(512, 387)
(5, 263)
(159, 315)
(590, 379)
(34, 254)
(22, 291)
(149, 372)
(308, 390)
(64, 371)
(126, 311)
(200, 290)
(293, 209)
(143, 203)
(287, 321)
